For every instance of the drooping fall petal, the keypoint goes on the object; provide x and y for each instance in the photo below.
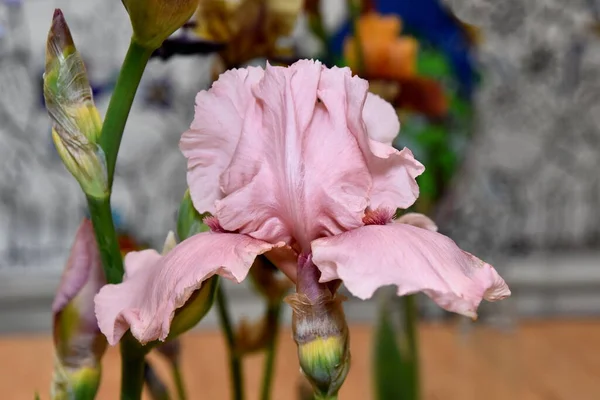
(299, 152)
(146, 302)
(413, 259)
(210, 142)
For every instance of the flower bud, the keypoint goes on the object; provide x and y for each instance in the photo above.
(78, 342)
(321, 333)
(320, 330)
(155, 20)
(197, 306)
(76, 121)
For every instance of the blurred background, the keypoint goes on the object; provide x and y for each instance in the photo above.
(499, 100)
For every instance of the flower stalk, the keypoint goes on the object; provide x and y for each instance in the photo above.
(235, 359)
(273, 319)
(120, 104)
(133, 356)
(410, 314)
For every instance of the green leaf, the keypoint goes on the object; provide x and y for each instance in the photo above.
(395, 374)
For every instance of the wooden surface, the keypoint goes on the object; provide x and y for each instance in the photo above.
(549, 360)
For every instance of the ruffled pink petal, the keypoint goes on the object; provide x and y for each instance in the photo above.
(393, 172)
(83, 275)
(213, 136)
(413, 259)
(380, 119)
(418, 220)
(297, 172)
(135, 261)
(147, 300)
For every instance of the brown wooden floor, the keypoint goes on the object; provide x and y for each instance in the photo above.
(550, 360)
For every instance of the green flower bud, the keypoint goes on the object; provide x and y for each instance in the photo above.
(155, 20)
(76, 121)
(189, 223)
(321, 333)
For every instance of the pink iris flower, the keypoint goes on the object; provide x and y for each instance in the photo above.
(296, 163)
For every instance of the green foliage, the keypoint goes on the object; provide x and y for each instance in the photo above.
(395, 363)
(189, 221)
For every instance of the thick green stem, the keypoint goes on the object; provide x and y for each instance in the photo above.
(235, 361)
(411, 320)
(120, 104)
(107, 240)
(273, 316)
(132, 368)
(178, 378)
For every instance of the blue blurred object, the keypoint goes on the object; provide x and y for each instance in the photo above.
(116, 215)
(430, 21)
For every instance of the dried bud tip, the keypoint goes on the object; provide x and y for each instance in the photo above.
(60, 32)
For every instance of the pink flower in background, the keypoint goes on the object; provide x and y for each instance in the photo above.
(296, 163)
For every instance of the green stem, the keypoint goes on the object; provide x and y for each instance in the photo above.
(354, 7)
(120, 104)
(411, 319)
(107, 240)
(178, 378)
(235, 362)
(132, 368)
(273, 316)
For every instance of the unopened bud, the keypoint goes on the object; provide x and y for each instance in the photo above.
(321, 333)
(78, 342)
(155, 20)
(71, 383)
(76, 121)
(199, 303)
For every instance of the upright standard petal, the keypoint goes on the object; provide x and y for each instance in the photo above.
(392, 172)
(297, 165)
(214, 134)
(380, 119)
(148, 299)
(413, 259)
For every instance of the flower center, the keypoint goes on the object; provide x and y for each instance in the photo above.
(379, 216)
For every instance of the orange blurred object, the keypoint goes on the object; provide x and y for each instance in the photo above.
(386, 55)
